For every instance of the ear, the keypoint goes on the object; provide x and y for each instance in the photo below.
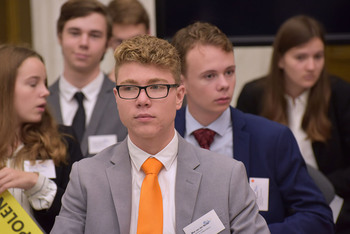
(180, 93)
(115, 94)
(59, 38)
(281, 62)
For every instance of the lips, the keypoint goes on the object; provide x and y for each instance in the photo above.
(223, 100)
(144, 117)
(309, 77)
(42, 107)
(81, 56)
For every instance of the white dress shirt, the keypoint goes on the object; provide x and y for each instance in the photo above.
(69, 105)
(223, 140)
(296, 109)
(166, 179)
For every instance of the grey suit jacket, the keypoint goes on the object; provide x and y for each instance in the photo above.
(104, 120)
(98, 196)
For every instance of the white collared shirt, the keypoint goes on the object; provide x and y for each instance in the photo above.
(296, 109)
(69, 105)
(223, 140)
(166, 179)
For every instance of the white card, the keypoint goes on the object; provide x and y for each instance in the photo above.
(207, 224)
(260, 186)
(99, 142)
(44, 167)
(336, 205)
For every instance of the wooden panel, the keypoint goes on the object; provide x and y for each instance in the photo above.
(15, 22)
(2, 21)
(338, 60)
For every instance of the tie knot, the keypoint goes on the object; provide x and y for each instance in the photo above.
(79, 96)
(151, 166)
(205, 137)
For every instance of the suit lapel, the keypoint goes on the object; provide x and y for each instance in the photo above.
(187, 185)
(241, 138)
(54, 101)
(97, 113)
(180, 121)
(119, 179)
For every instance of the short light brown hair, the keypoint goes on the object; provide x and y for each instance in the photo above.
(199, 33)
(128, 12)
(80, 8)
(148, 50)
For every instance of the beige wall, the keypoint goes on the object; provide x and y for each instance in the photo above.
(251, 62)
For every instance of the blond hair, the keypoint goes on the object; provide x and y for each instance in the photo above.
(148, 50)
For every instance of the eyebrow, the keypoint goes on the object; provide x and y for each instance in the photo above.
(151, 81)
(214, 70)
(89, 31)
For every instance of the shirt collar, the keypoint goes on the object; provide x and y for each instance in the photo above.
(90, 91)
(219, 125)
(166, 156)
(301, 99)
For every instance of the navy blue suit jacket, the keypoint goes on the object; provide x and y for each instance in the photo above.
(269, 150)
(333, 156)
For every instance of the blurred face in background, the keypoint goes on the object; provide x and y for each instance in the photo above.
(209, 80)
(83, 41)
(30, 91)
(302, 66)
(121, 32)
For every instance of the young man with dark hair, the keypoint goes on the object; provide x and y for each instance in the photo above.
(130, 19)
(83, 95)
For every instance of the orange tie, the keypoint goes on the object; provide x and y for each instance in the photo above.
(150, 220)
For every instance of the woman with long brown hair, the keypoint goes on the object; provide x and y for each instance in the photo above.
(299, 93)
(30, 138)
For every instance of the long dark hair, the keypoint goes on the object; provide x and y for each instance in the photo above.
(294, 32)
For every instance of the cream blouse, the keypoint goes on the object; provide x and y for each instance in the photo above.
(40, 196)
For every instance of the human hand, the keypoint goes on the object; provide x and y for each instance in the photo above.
(12, 178)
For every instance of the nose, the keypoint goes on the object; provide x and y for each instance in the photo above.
(84, 40)
(223, 83)
(143, 99)
(310, 64)
(44, 92)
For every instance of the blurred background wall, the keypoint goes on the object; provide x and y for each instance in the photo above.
(33, 22)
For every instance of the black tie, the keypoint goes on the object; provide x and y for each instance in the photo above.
(79, 118)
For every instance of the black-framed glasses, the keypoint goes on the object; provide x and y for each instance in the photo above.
(153, 91)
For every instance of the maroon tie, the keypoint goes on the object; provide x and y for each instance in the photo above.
(204, 136)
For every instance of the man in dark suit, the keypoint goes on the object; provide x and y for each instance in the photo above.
(106, 192)
(287, 197)
(83, 30)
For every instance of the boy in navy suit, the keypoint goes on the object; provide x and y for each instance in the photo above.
(287, 197)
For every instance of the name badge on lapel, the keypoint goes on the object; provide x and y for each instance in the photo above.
(207, 224)
(99, 142)
(260, 186)
(44, 167)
